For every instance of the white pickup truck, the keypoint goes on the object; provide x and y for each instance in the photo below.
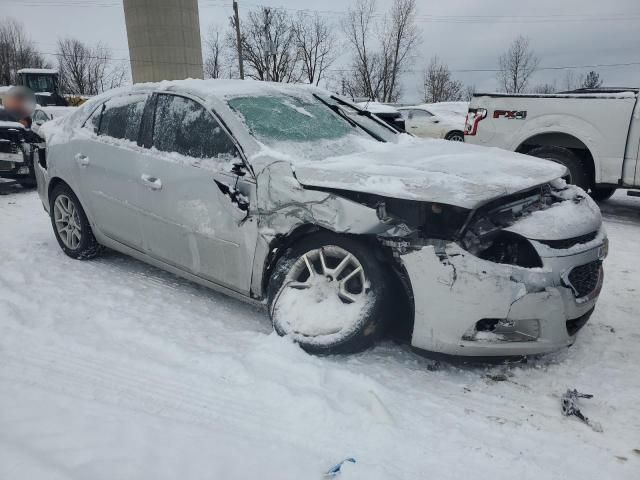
(595, 133)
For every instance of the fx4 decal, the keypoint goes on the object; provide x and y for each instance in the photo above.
(510, 114)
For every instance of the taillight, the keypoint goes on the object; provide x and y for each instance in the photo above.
(474, 117)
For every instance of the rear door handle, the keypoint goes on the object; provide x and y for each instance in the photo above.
(152, 182)
(81, 159)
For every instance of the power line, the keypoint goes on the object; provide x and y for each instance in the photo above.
(420, 18)
(495, 70)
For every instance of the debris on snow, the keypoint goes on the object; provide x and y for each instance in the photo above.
(570, 407)
(335, 470)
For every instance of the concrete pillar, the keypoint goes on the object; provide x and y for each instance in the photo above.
(164, 39)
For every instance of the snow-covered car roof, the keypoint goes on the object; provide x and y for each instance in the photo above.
(376, 107)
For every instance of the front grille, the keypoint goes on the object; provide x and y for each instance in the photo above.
(584, 279)
(569, 242)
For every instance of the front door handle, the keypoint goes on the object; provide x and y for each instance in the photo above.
(152, 182)
(81, 159)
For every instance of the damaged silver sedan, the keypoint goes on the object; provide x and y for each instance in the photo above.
(348, 231)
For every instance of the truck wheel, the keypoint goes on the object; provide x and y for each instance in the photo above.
(71, 226)
(578, 174)
(601, 194)
(330, 294)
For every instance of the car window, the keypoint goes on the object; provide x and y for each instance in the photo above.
(289, 118)
(421, 114)
(40, 116)
(186, 127)
(121, 117)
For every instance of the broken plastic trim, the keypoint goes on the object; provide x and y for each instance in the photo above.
(503, 330)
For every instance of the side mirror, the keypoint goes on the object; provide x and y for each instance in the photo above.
(238, 168)
(237, 199)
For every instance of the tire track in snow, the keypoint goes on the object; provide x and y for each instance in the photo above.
(229, 409)
(139, 389)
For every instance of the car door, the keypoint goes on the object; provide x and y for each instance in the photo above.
(194, 198)
(107, 166)
(420, 123)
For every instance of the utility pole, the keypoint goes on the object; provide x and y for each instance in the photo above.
(238, 39)
(267, 41)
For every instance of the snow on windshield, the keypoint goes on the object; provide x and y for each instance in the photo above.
(298, 126)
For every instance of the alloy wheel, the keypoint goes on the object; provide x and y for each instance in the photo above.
(67, 221)
(327, 284)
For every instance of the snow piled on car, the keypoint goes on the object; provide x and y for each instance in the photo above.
(430, 170)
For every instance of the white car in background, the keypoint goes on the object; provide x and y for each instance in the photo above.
(436, 120)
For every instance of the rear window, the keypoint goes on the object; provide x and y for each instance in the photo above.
(121, 117)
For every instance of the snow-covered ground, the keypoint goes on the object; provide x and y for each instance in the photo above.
(111, 369)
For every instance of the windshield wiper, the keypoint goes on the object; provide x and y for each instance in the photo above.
(349, 120)
(365, 113)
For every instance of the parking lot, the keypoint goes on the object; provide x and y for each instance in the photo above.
(114, 361)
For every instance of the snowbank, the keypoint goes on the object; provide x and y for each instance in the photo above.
(114, 369)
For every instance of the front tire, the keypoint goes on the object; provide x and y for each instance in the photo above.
(330, 294)
(578, 174)
(71, 226)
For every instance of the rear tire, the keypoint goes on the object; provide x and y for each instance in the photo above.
(341, 307)
(455, 136)
(578, 174)
(71, 226)
(601, 194)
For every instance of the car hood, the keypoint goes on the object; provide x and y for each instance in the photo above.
(430, 170)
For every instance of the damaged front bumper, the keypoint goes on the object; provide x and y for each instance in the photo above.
(467, 306)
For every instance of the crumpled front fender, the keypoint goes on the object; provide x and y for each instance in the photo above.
(283, 205)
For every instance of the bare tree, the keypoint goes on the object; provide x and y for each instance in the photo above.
(358, 25)
(517, 65)
(86, 70)
(377, 68)
(16, 51)
(316, 44)
(400, 36)
(268, 45)
(592, 80)
(545, 88)
(214, 53)
(469, 92)
(438, 84)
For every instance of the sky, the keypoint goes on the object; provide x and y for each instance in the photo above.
(466, 34)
